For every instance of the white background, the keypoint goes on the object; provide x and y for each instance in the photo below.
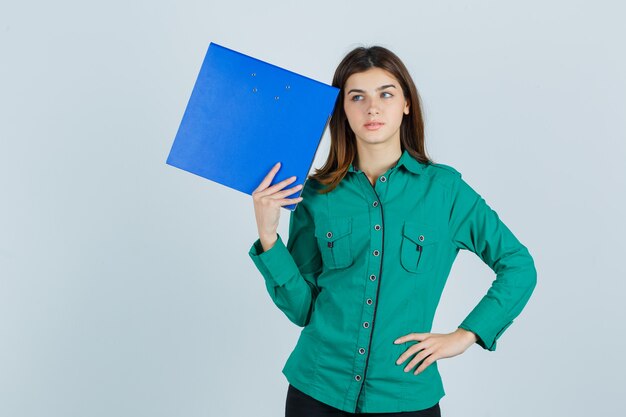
(125, 284)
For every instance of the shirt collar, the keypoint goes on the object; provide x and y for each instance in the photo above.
(405, 160)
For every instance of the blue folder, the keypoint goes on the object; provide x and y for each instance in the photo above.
(245, 115)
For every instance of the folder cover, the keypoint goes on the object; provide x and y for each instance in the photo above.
(245, 115)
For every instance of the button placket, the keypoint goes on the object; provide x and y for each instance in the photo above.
(369, 313)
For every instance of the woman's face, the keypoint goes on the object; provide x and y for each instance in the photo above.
(374, 104)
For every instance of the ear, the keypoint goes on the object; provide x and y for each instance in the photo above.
(406, 107)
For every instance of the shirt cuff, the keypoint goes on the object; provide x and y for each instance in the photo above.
(487, 332)
(276, 264)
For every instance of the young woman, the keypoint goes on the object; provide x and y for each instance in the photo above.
(371, 243)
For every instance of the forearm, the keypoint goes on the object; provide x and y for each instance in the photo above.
(295, 299)
(292, 291)
(268, 241)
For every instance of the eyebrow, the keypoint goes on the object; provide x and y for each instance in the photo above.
(382, 87)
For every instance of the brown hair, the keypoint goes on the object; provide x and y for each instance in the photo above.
(342, 140)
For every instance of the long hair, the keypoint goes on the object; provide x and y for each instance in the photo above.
(342, 139)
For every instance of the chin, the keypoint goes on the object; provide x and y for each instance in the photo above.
(375, 140)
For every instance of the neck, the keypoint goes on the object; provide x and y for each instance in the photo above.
(375, 162)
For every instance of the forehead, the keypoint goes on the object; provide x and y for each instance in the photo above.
(370, 79)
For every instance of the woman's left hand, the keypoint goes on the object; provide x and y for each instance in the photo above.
(434, 346)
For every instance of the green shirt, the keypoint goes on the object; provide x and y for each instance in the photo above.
(367, 264)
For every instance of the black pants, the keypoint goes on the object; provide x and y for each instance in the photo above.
(299, 404)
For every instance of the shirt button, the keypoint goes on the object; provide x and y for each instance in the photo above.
(361, 351)
(369, 301)
(377, 227)
(366, 325)
(376, 253)
(375, 203)
(329, 234)
(383, 179)
(372, 277)
(421, 238)
(357, 377)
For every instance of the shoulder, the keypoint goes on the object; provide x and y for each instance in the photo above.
(311, 186)
(310, 192)
(445, 169)
(312, 202)
(443, 174)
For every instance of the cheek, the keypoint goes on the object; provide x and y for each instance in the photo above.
(351, 114)
(399, 113)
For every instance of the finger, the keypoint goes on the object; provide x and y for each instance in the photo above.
(401, 359)
(417, 359)
(287, 201)
(412, 350)
(277, 187)
(424, 351)
(412, 363)
(287, 192)
(411, 336)
(268, 177)
(425, 364)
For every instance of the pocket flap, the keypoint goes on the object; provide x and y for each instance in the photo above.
(420, 234)
(333, 230)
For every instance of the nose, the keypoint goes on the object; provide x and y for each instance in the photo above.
(373, 108)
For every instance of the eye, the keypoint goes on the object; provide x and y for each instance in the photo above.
(354, 97)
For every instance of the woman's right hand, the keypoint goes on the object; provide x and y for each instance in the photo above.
(267, 203)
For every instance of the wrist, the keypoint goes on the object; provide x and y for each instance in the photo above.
(469, 335)
(268, 241)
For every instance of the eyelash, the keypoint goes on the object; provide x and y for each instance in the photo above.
(359, 95)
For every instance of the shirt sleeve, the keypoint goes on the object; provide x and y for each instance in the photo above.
(476, 227)
(291, 271)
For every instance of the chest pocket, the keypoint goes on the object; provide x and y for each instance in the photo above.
(335, 242)
(419, 247)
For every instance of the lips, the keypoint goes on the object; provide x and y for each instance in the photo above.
(373, 125)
